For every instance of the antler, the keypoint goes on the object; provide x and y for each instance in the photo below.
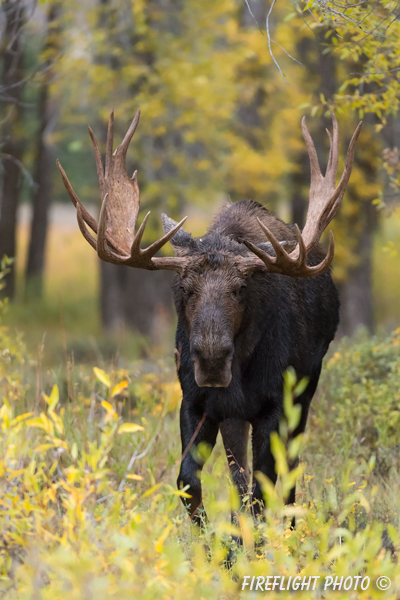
(117, 240)
(324, 203)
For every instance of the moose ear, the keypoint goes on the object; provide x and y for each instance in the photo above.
(288, 245)
(182, 240)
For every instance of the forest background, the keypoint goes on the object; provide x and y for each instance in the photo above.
(89, 418)
(222, 88)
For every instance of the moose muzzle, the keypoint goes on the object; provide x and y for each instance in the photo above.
(213, 369)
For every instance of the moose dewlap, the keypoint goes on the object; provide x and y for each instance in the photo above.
(253, 297)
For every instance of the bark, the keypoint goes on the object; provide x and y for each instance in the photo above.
(357, 308)
(148, 302)
(41, 204)
(132, 298)
(42, 172)
(11, 151)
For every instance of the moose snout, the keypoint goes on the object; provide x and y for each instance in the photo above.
(212, 366)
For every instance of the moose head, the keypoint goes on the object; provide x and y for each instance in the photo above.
(213, 286)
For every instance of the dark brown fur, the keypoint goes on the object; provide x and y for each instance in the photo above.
(239, 221)
(237, 333)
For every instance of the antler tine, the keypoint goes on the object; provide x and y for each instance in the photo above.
(86, 216)
(279, 251)
(99, 163)
(129, 134)
(326, 262)
(333, 160)
(302, 250)
(325, 200)
(341, 188)
(283, 258)
(349, 158)
(312, 153)
(156, 246)
(251, 263)
(82, 226)
(139, 234)
(110, 140)
(116, 240)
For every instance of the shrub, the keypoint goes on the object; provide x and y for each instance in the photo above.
(89, 508)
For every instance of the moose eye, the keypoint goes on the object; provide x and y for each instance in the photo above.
(187, 293)
(239, 292)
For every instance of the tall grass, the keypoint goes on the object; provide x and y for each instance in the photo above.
(89, 507)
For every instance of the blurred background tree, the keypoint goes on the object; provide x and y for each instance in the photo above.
(222, 88)
(12, 24)
(46, 115)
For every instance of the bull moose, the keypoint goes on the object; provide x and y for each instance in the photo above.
(253, 297)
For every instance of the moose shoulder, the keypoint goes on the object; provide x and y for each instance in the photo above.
(253, 297)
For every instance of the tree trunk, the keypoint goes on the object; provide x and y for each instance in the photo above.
(131, 298)
(41, 204)
(357, 306)
(11, 152)
(148, 302)
(111, 300)
(135, 298)
(356, 299)
(42, 171)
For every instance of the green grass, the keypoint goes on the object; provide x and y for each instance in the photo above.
(65, 322)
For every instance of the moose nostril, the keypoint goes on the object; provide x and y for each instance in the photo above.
(225, 353)
(218, 354)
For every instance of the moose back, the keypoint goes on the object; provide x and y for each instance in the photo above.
(253, 297)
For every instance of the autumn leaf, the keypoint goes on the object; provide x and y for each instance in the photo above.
(152, 490)
(102, 376)
(129, 428)
(53, 399)
(118, 388)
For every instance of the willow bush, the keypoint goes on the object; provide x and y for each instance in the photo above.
(89, 507)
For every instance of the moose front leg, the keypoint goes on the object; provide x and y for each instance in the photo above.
(235, 435)
(263, 459)
(192, 464)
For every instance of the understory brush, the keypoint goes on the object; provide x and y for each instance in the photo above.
(89, 506)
